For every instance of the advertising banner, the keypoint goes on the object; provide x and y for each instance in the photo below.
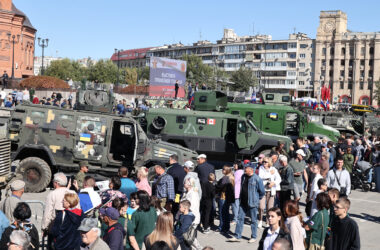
(164, 74)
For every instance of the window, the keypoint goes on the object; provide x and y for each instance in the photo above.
(269, 97)
(249, 115)
(342, 85)
(301, 83)
(303, 46)
(242, 126)
(323, 51)
(292, 55)
(292, 45)
(361, 85)
(292, 73)
(371, 50)
(342, 73)
(285, 99)
(203, 98)
(302, 56)
(302, 65)
(343, 51)
(349, 85)
(235, 112)
(302, 74)
(362, 51)
(331, 62)
(181, 119)
(342, 62)
(292, 64)
(369, 85)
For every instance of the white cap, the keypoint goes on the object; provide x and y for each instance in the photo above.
(300, 152)
(202, 156)
(189, 164)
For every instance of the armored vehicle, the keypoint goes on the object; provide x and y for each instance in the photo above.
(47, 139)
(275, 119)
(5, 150)
(221, 136)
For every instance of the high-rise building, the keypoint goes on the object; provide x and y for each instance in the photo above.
(346, 62)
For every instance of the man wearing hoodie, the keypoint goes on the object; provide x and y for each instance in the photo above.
(115, 233)
(184, 222)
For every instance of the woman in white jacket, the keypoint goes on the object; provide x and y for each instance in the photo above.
(293, 223)
(271, 180)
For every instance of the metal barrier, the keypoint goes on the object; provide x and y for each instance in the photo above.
(38, 209)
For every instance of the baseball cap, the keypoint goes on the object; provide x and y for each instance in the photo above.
(189, 164)
(110, 212)
(87, 224)
(246, 161)
(17, 185)
(300, 152)
(202, 156)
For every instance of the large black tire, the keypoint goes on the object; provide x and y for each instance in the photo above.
(36, 174)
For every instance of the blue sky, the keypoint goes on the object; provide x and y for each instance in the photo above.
(82, 28)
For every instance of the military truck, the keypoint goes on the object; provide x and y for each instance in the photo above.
(47, 139)
(275, 119)
(221, 136)
(5, 151)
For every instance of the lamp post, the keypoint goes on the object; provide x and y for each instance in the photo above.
(12, 38)
(117, 52)
(43, 43)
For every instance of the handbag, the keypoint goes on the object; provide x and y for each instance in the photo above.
(343, 190)
(314, 246)
(190, 235)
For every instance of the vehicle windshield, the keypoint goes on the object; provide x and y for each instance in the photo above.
(252, 125)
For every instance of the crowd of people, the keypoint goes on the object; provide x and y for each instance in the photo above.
(184, 199)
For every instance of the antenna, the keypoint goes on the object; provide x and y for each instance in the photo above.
(294, 30)
(253, 28)
(200, 35)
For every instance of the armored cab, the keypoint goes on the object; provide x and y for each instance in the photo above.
(48, 139)
(94, 100)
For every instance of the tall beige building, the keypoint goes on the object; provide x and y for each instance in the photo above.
(346, 62)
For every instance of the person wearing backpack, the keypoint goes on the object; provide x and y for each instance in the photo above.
(339, 178)
(22, 214)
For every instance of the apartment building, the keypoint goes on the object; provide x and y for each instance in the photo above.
(278, 64)
(346, 62)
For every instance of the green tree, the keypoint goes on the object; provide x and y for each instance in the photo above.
(197, 72)
(243, 79)
(143, 74)
(130, 75)
(66, 69)
(105, 71)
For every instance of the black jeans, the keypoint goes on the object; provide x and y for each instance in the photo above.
(206, 207)
(284, 196)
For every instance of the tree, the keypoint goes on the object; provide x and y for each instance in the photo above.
(143, 74)
(105, 71)
(130, 75)
(243, 79)
(197, 72)
(66, 69)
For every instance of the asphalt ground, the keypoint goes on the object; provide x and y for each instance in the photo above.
(365, 210)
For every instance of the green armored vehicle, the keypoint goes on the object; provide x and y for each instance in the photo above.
(270, 118)
(221, 136)
(47, 139)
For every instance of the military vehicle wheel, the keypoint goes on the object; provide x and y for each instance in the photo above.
(36, 173)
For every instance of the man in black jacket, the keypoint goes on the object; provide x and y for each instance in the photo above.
(345, 231)
(178, 173)
(204, 168)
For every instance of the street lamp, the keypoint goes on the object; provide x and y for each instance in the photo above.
(43, 43)
(117, 52)
(12, 38)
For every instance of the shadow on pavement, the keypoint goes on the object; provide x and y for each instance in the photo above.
(366, 217)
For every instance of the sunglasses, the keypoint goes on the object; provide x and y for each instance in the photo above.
(265, 162)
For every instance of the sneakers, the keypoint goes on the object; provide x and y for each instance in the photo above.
(251, 240)
(260, 225)
(233, 239)
(206, 231)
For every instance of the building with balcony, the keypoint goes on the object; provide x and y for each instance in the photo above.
(346, 62)
(278, 64)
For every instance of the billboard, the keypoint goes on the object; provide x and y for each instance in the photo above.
(164, 73)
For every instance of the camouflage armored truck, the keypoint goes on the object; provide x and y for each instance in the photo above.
(47, 139)
(221, 136)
